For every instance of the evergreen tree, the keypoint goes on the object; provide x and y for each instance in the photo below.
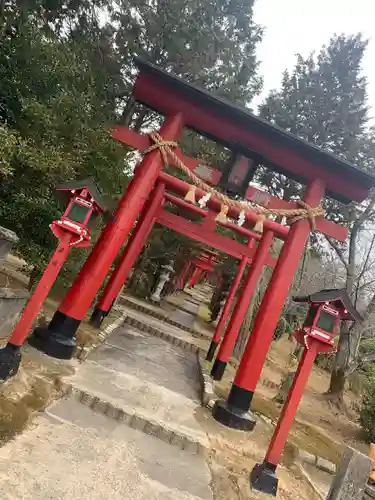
(323, 100)
(210, 43)
(54, 124)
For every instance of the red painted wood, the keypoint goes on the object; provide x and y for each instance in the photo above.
(205, 266)
(243, 302)
(196, 209)
(131, 138)
(280, 435)
(209, 238)
(79, 297)
(34, 305)
(197, 273)
(142, 142)
(231, 296)
(133, 248)
(182, 279)
(253, 359)
(180, 187)
(208, 120)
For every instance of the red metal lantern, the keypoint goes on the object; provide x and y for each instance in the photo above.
(85, 204)
(327, 308)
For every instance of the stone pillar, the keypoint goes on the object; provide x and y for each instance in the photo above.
(7, 239)
(351, 478)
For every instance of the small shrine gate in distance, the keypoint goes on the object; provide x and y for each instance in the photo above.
(185, 105)
(202, 266)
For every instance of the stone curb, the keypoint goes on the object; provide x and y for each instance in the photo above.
(208, 395)
(84, 352)
(162, 317)
(369, 492)
(311, 483)
(138, 421)
(144, 327)
(316, 461)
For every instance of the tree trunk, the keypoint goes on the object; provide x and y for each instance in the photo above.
(339, 372)
(127, 114)
(337, 383)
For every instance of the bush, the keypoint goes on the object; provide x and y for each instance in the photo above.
(367, 409)
(367, 346)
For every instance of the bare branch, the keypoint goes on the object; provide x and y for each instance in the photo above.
(364, 268)
(359, 362)
(364, 215)
(338, 251)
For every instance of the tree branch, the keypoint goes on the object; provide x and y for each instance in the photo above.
(338, 251)
(364, 268)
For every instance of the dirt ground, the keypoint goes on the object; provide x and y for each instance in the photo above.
(38, 381)
(234, 454)
(319, 427)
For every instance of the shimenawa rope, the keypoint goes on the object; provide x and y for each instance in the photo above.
(293, 215)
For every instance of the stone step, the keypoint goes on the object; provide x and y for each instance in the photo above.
(163, 315)
(140, 404)
(73, 452)
(174, 337)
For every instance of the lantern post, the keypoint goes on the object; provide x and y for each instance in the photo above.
(72, 230)
(317, 334)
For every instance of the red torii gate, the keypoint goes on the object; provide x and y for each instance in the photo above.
(186, 105)
(203, 265)
(204, 232)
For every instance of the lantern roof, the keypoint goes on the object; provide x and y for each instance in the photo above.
(338, 297)
(66, 188)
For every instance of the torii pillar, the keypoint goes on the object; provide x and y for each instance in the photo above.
(77, 301)
(235, 412)
(242, 306)
(129, 255)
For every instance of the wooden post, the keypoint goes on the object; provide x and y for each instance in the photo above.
(242, 306)
(228, 304)
(129, 255)
(235, 412)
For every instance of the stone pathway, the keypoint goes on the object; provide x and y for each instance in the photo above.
(76, 453)
(127, 429)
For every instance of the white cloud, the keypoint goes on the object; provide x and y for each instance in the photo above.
(293, 26)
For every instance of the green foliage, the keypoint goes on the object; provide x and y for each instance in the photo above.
(367, 347)
(65, 68)
(54, 126)
(282, 327)
(367, 408)
(211, 43)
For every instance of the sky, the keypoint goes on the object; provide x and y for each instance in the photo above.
(301, 26)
